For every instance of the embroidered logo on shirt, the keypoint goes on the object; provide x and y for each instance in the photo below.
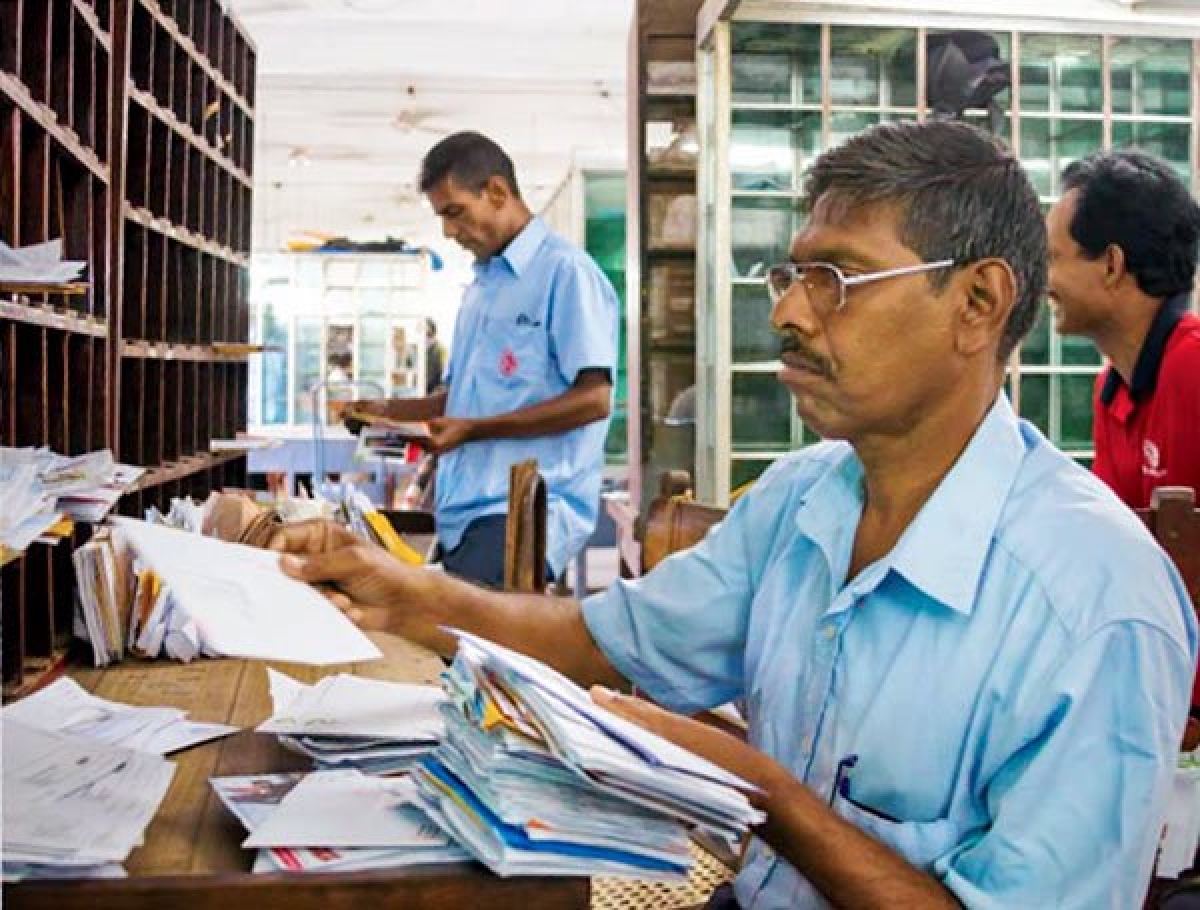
(508, 362)
(523, 319)
(1150, 460)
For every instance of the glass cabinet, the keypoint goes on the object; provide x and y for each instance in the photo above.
(336, 326)
(780, 83)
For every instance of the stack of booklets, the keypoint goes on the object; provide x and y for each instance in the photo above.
(347, 722)
(533, 778)
(334, 821)
(156, 591)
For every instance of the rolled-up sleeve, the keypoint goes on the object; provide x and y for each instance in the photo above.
(583, 320)
(679, 633)
(1076, 806)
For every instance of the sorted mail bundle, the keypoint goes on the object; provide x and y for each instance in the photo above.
(533, 778)
(347, 722)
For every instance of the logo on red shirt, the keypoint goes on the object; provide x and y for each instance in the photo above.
(1150, 460)
(508, 362)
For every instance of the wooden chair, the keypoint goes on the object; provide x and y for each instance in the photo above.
(525, 529)
(674, 521)
(1174, 521)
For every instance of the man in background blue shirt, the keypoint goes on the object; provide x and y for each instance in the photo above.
(530, 373)
(966, 664)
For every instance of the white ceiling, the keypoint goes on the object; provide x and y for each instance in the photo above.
(351, 93)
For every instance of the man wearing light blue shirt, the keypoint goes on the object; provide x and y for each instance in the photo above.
(966, 665)
(530, 373)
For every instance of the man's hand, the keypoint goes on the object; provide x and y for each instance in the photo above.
(704, 740)
(373, 588)
(446, 433)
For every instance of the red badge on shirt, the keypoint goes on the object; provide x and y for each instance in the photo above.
(508, 362)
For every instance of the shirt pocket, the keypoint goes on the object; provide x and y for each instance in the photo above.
(921, 843)
(513, 356)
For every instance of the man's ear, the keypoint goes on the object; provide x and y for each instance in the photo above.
(496, 191)
(991, 293)
(1115, 267)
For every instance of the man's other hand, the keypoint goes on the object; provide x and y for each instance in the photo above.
(720, 748)
(447, 433)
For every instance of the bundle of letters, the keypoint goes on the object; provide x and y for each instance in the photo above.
(333, 821)
(533, 778)
(155, 590)
(347, 722)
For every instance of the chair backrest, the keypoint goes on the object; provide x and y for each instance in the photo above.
(1174, 521)
(525, 529)
(674, 521)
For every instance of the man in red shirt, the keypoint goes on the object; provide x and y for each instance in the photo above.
(1123, 253)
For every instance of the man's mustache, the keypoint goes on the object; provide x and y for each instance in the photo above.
(791, 346)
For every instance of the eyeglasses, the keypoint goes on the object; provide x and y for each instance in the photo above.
(825, 284)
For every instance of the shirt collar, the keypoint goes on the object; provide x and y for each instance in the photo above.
(522, 248)
(1145, 371)
(943, 551)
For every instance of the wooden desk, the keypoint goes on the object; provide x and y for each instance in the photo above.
(192, 857)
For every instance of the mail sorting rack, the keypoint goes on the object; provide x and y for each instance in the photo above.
(126, 129)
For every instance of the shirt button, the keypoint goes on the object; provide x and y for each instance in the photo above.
(830, 631)
(807, 743)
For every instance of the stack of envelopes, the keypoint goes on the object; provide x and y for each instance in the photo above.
(533, 778)
(334, 821)
(346, 722)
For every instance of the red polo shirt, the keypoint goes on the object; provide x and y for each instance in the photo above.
(1147, 434)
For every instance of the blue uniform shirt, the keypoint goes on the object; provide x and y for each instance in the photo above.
(536, 314)
(1004, 693)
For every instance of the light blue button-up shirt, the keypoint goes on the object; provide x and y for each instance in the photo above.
(536, 315)
(1004, 692)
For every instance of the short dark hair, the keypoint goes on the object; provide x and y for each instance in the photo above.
(1135, 200)
(961, 194)
(470, 158)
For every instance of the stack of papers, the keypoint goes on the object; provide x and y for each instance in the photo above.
(66, 708)
(71, 804)
(41, 263)
(195, 595)
(330, 821)
(184, 514)
(533, 778)
(38, 486)
(102, 582)
(348, 722)
(26, 510)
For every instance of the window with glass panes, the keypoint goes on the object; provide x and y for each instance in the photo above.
(798, 88)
